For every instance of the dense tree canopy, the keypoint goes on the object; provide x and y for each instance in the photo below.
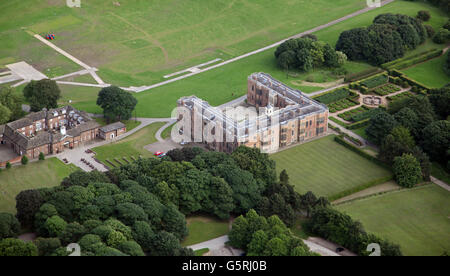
(42, 94)
(342, 229)
(265, 237)
(305, 54)
(116, 103)
(385, 40)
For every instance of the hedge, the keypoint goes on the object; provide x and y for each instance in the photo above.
(363, 74)
(375, 81)
(412, 60)
(410, 81)
(359, 124)
(367, 185)
(333, 96)
(362, 153)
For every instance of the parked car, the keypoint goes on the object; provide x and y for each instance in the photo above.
(158, 153)
(339, 249)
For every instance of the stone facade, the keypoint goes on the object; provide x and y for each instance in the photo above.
(285, 116)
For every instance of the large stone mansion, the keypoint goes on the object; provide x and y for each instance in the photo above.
(52, 131)
(286, 116)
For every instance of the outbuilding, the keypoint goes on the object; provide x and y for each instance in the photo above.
(111, 131)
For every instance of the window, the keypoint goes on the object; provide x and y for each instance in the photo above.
(38, 126)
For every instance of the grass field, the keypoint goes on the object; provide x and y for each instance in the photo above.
(230, 81)
(430, 73)
(326, 168)
(137, 42)
(40, 174)
(203, 229)
(417, 219)
(132, 145)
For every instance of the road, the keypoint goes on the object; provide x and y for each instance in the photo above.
(218, 243)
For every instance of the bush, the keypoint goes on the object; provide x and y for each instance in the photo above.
(424, 15)
(8, 165)
(41, 156)
(430, 31)
(9, 226)
(24, 160)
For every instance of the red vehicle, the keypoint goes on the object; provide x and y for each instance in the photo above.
(158, 153)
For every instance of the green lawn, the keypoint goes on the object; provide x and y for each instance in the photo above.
(417, 219)
(40, 174)
(326, 167)
(430, 73)
(230, 81)
(138, 42)
(204, 229)
(132, 145)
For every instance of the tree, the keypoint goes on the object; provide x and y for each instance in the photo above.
(398, 142)
(5, 114)
(379, 126)
(436, 140)
(447, 64)
(424, 15)
(129, 213)
(42, 94)
(72, 232)
(407, 118)
(13, 102)
(143, 234)
(117, 104)
(47, 246)
(385, 40)
(441, 36)
(28, 203)
(55, 226)
(165, 244)
(430, 31)
(16, 247)
(9, 226)
(131, 248)
(407, 170)
(440, 99)
(305, 53)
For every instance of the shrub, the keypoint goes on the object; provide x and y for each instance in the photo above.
(424, 15)
(430, 31)
(24, 160)
(41, 156)
(8, 165)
